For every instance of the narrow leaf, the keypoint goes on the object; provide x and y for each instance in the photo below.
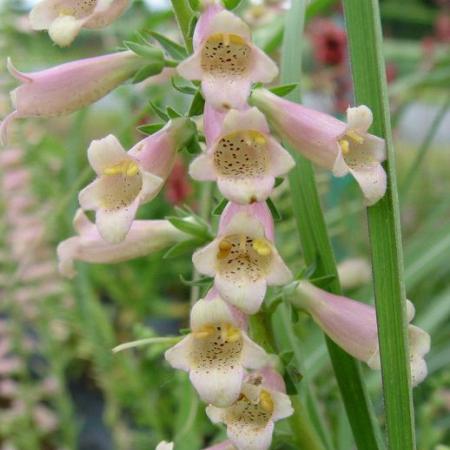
(174, 49)
(150, 128)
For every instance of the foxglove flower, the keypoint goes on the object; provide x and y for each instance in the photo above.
(66, 88)
(225, 60)
(243, 258)
(126, 180)
(216, 351)
(353, 326)
(250, 419)
(144, 237)
(64, 18)
(243, 158)
(330, 143)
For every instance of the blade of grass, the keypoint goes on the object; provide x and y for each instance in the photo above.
(369, 77)
(317, 247)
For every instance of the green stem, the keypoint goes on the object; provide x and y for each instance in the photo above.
(183, 13)
(368, 70)
(317, 249)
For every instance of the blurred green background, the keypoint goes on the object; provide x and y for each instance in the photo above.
(61, 387)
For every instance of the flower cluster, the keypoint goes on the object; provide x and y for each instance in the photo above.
(237, 379)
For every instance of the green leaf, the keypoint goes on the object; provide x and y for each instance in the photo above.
(146, 51)
(231, 4)
(182, 248)
(274, 210)
(283, 89)
(278, 181)
(172, 113)
(192, 24)
(316, 243)
(150, 128)
(194, 228)
(217, 211)
(189, 90)
(201, 282)
(369, 79)
(159, 112)
(174, 49)
(195, 5)
(197, 105)
(148, 71)
(193, 146)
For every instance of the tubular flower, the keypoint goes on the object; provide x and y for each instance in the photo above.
(126, 180)
(144, 237)
(330, 143)
(225, 60)
(64, 18)
(216, 351)
(66, 88)
(243, 258)
(250, 419)
(353, 326)
(244, 158)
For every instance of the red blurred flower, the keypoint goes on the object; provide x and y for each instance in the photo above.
(442, 27)
(178, 186)
(329, 42)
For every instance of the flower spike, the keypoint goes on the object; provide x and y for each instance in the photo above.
(353, 326)
(330, 143)
(127, 180)
(66, 88)
(64, 18)
(250, 419)
(225, 59)
(243, 258)
(244, 158)
(217, 350)
(145, 237)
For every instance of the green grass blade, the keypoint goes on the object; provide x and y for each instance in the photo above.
(317, 247)
(365, 41)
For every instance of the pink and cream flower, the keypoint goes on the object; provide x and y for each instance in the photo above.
(243, 158)
(71, 86)
(353, 326)
(250, 419)
(145, 237)
(243, 258)
(64, 18)
(217, 351)
(126, 180)
(225, 59)
(330, 143)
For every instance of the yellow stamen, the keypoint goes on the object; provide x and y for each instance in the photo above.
(129, 168)
(352, 134)
(266, 401)
(242, 246)
(203, 332)
(262, 247)
(224, 249)
(230, 333)
(345, 146)
(227, 38)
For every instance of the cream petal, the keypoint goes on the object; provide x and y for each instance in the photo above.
(151, 185)
(216, 415)
(250, 119)
(202, 168)
(372, 181)
(191, 67)
(228, 23)
(113, 225)
(81, 223)
(64, 29)
(253, 356)
(178, 355)
(163, 445)
(242, 222)
(247, 437)
(281, 162)
(106, 152)
(219, 387)
(282, 406)
(90, 198)
(359, 118)
(241, 292)
(279, 273)
(204, 259)
(67, 251)
(211, 311)
(246, 190)
(263, 69)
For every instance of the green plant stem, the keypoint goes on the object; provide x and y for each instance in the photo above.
(305, 434)
(424, 147)
(317, 248)
(368, 70)
(183, 13)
